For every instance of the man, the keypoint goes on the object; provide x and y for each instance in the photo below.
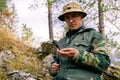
(84, 56)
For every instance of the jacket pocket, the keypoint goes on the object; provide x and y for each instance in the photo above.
(82, 45)
(85, 44)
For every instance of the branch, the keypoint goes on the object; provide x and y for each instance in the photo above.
(87, 4)
(112, 23)
(117, 9)
(91, 20)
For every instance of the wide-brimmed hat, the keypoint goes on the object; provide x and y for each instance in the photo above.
(71, 7)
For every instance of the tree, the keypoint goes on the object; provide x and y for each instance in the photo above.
(101, 17)
(50, 19)
(3, 6)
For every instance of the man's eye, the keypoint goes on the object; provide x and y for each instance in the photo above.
(66, 17)
(73, 16)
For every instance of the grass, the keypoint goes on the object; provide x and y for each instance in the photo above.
(25, 59)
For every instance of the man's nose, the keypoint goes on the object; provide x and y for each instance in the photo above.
(71, 19)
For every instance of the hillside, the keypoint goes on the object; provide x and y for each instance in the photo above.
(16, 56)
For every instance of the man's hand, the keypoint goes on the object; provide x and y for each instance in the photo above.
(55, 68)
(67, 52)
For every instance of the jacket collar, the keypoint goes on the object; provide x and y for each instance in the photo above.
(70, 33)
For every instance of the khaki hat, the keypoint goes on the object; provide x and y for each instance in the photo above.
(71, 7)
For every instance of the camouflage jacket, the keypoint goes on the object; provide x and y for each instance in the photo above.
(91, 62)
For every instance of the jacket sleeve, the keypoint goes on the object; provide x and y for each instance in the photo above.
(49, 69)
(97, 59)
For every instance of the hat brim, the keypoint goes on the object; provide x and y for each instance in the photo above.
(61, 17)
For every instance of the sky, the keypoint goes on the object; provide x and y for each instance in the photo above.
(36, 19)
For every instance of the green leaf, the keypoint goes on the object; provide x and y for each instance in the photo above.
(3, 5)
(92, 4)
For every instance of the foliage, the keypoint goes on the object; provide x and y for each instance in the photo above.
(8, 14)
(113, 46)
(45, 49)
(3, 5)
(50, 2)
(8, 19)
(27, 32)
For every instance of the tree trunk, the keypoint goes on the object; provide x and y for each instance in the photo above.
(101, 17)
(50, 19)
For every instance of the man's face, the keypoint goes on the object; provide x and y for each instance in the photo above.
(73, 20)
